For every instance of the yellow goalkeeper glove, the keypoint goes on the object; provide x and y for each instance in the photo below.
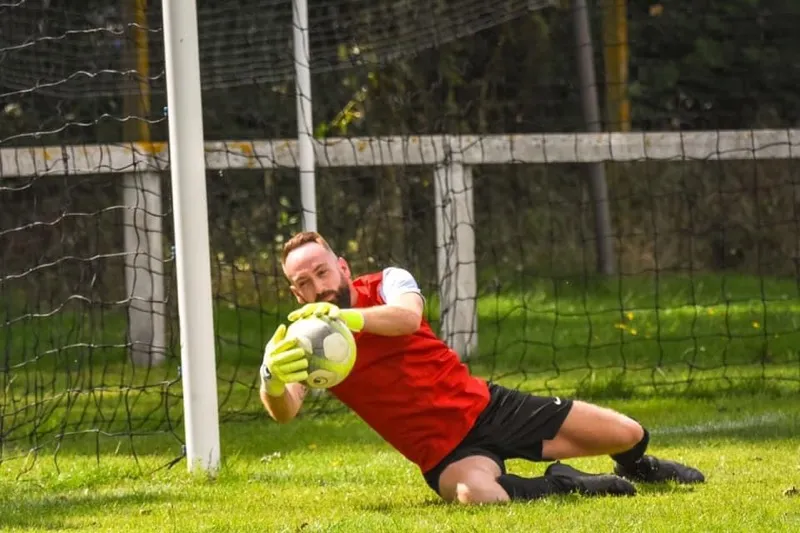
(352, 318)
(284, 362)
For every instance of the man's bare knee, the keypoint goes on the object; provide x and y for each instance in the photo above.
(480, 491)
(633, 430)
(622, 432)
(472, 480)
(629, 432)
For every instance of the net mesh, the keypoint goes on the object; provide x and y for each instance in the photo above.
(53, 48)
(703, 290)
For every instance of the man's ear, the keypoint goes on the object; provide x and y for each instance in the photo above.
(344, 267)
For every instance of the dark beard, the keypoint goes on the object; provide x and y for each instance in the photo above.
(341, 298)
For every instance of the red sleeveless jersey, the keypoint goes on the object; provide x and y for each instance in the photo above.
(413, 390)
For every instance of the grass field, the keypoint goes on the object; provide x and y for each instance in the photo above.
(710, 364)
(333, 474)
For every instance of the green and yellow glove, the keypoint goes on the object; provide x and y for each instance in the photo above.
(352, 318)
(284, 362)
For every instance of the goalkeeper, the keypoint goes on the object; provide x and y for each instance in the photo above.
(415, 392)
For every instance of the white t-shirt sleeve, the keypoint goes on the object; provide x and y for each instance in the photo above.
(397, 281)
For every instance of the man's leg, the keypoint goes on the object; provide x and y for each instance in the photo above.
(478, 479)
(472, 479)
(590, 430)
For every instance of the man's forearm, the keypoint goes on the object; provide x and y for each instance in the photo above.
(390, 320)
(285, 407)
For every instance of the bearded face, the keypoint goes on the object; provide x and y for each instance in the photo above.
(340, 296)
(317, 275)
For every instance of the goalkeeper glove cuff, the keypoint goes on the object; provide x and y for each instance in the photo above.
(270, 384)
(353, 319)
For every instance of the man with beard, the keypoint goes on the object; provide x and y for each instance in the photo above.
(415, 392)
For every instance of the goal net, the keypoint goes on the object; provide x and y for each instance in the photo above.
(658, 258)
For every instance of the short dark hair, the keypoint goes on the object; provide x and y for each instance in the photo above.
(299, 239)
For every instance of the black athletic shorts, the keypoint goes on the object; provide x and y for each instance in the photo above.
(512, 426)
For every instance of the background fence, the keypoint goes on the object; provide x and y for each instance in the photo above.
(597, 201)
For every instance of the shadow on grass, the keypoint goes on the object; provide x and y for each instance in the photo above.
(571, 500)
(51, 511)
(650, 489)
(394, 506)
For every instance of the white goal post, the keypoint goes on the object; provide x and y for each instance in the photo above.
(451, 158)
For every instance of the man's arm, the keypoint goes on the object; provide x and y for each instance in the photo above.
(285, 407)
(401, 316)
(402, 313)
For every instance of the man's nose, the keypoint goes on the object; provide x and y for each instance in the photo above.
(318, 287)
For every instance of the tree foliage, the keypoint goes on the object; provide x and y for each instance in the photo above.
(709, 64)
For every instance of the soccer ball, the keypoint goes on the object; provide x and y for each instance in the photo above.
(330, 346)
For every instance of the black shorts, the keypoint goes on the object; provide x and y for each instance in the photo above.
(512, 426)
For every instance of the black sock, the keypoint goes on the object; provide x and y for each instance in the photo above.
(630, 457)
(521, 488)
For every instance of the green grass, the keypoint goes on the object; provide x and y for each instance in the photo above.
(709, 364)
(596, 339)
(333, 474)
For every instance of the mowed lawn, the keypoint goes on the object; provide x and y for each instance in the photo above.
(710, 364)
(333, 474)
